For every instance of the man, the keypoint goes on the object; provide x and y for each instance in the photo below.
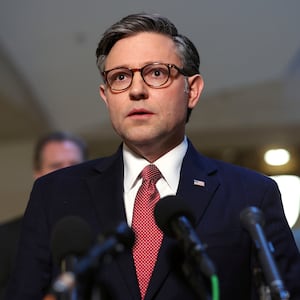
(52, 151)
(151, 84)
(57, 150)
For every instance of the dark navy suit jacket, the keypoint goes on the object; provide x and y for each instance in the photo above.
(94, 191)
(9, 236)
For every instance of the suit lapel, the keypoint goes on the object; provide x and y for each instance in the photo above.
(197, 186)
(198, 182)
(106, 189)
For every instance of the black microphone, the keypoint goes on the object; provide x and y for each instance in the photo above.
(176, 220)
(253, 221)
(71, 238)
(104, 250)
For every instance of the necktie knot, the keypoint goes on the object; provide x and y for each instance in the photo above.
(151, 173)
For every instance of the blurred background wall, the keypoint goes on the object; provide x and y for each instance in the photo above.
(250, 61)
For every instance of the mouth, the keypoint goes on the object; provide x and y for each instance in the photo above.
(139, 112)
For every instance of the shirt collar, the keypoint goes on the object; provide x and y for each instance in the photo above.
(169, 165)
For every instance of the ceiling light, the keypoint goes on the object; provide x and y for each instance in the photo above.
(277, 157)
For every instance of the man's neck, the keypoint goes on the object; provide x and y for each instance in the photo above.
(152, 151)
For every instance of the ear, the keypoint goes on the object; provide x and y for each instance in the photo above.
(102, 92)
(196, 85)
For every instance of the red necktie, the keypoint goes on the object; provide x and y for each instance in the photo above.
(148, 236)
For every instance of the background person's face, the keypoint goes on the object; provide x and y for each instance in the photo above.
(57, 155)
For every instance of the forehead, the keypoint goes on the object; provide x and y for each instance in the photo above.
(57, 148)
(142, 48)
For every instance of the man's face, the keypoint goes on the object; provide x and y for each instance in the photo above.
(143, 115)
(57, 155)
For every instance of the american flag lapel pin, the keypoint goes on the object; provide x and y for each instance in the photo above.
(199, 182)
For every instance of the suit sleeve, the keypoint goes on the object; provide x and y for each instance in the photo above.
(279, 234)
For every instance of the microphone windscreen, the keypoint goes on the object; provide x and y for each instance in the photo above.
(170, 208)
(70, 236)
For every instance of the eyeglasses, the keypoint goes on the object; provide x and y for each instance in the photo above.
(154, 75)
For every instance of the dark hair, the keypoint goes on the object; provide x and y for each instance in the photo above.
(57, 136)
(142, 22)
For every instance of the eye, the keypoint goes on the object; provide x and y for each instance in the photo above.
(119, 75)
(156, 72)
(160, 72)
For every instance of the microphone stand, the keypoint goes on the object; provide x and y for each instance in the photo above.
(68, 264)
(263, 290)
(253, 221)
(197, 266)
(87, 288)
(195, 279)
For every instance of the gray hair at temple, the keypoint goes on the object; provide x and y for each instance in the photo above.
(142, 22)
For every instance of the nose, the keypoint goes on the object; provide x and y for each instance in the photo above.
(138, 89)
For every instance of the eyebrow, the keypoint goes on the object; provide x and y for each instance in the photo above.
(144, 64)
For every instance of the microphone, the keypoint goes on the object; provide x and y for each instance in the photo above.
(121, 239)
(176, 220)
(253, 221)
(71, 237)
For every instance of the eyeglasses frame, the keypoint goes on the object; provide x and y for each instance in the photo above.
(133, 70)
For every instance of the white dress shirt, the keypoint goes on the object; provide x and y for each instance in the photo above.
(169, 166)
